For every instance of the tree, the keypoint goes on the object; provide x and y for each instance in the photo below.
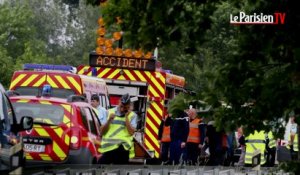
(45, 32)
(15, 30)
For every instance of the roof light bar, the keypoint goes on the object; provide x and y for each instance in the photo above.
(49, 67)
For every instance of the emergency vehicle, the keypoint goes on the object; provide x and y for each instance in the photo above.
(64, 130)
(63, 81)
(11, 152)
(147, 83)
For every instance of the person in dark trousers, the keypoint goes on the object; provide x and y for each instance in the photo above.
(215, 144)
(271, 149)
(164, 137)
(195, 138)
(242, 147)
(179, 134)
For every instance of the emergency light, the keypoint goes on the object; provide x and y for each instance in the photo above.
(46, 91)
(49, 67)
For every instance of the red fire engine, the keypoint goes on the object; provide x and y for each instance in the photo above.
(150, 86)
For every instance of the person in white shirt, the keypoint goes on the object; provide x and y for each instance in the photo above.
(100, 111)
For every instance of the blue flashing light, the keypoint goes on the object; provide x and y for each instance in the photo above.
(46, 91)
(48, 67)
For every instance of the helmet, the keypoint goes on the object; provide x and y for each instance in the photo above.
(125, 99)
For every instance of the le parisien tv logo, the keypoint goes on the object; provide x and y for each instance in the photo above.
(242, 18)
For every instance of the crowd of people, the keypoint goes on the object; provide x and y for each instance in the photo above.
(185, 139)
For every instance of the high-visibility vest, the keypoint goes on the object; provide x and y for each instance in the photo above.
(166, 137)
(117, 135)
(194, 133)
(295, 143)
(272, 142)
(255, 142)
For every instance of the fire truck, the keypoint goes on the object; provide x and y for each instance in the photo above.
(149, 86)
(63, 81)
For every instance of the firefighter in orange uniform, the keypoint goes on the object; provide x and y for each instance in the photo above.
(165, 139)
(195, 138)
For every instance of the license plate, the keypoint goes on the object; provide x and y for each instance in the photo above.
(34, 148)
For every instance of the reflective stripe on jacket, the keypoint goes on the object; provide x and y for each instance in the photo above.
(194, 133)
(117, 134)
(295, 143)
(272, 142)
(255, 142)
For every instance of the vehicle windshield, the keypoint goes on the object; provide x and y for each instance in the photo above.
(42, 113)
(56, 92)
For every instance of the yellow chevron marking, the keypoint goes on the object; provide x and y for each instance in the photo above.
(160, 88)
(121, 77)
(29, 80)
(127, 72)
(58, 151)
(16, 80)
(114, 73)
(152, 126)
(103, 72)
(66, 119)
(75, 83)
(151, 148)
(82, 70)
(51, 82)
(40, 81)
(58, 131)
(45, 157)
(156, 154)
(162, 79)
(47, 120)
(67, 107)
(67, 139)
(28, 156)
(153, 91)
(45, 102)
(159, 110)
(148, 133)
(157, 120)
(89, 73)
(41, 131)
(62, 82)
(23, 101)
(138, 73)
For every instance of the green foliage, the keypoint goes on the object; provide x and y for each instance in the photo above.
(149, 23)
(177, 105)
(45, 32)
(253, 69)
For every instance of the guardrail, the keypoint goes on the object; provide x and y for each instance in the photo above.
(154, 170)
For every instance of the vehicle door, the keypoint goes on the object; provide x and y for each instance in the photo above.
(10, 144)
(93, 127)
